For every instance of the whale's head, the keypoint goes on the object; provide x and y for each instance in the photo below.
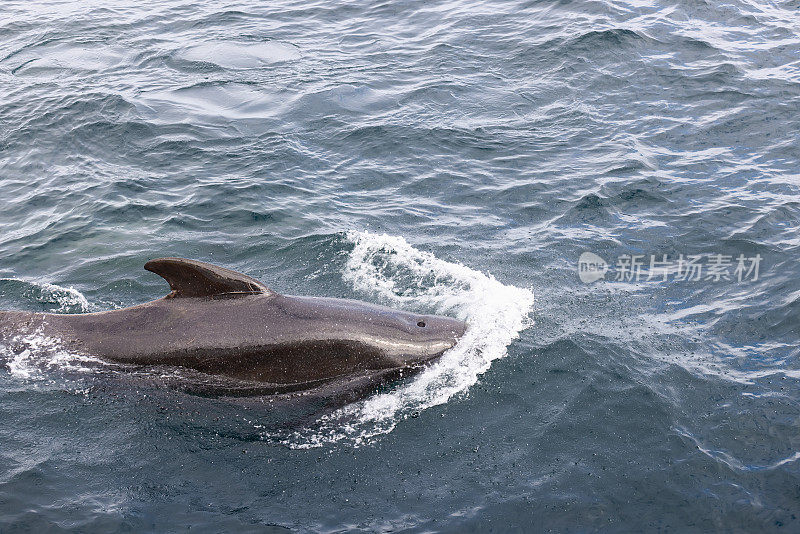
(421, 338)
(387, 337)
(355, 347)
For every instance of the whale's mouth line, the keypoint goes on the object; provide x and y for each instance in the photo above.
(197, 383)
(221, 386)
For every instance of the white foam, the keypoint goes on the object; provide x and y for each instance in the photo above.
(35, 353)
(29, 355)
(68, 299)
(390, 269)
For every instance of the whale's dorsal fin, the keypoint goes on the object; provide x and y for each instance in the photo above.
(192, 278)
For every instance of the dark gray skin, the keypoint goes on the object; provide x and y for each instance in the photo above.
(226, 324)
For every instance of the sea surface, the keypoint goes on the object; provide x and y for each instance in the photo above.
(455, 157)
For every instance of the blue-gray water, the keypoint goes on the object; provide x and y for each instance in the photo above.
(437, 156)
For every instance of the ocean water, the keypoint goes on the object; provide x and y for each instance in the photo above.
(439, 156)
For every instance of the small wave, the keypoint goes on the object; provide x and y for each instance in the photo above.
(732, 462)
(227, 100)
(60, 57)
(31, 355)
(611, 36)
(392, 270)
(240, 55)
(50, 297)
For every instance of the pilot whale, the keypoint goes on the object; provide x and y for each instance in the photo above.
(251, 339)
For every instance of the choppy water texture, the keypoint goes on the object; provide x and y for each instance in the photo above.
(454, 157)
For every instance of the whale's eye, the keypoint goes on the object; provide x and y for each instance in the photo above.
(421, 324)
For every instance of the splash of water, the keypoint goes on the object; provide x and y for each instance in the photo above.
(68, 299)
(392, 270)
(28, 356)
(58, 299)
